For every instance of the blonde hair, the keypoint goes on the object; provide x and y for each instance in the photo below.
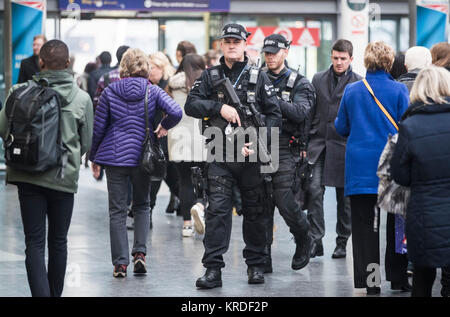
(379, 56)
(134, 63)
(432, 85)
(160, 59)
(440, 54)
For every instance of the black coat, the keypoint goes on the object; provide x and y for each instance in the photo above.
(298, 111)
(323, 135)
(421, 160)
(28, 67)
(94, 77)
(202, 100)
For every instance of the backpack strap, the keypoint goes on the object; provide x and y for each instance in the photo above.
(380, 105)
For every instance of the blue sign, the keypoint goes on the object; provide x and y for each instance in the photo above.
(26, 24)
(146, 5)
(431, 24)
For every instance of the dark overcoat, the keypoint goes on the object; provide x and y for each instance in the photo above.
(323, 135)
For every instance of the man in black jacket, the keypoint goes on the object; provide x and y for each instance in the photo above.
(297, 99)
(326, 149)
(94, 77)
(208, 100)
(30, 66)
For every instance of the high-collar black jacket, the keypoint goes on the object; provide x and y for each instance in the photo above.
(28, 68)
(421, 161)
(297, 113)
(202, 100)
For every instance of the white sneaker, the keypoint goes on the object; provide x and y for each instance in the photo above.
(188, 231)
(197, 212)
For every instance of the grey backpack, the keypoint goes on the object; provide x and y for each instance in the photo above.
(33, 139)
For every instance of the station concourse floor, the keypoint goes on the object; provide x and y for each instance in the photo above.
(174, 262)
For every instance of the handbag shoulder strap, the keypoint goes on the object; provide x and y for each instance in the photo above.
(147, 127)
(380, 105)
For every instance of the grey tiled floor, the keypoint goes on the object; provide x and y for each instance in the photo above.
(174, 262)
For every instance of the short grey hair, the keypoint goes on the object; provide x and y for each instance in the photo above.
(417, 57)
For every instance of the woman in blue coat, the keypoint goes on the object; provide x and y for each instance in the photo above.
(367, 128)
(420, 161)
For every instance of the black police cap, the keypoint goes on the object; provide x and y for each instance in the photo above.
(273, 43)
(234, 30)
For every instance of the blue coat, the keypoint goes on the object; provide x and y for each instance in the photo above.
(367, 128)
(421, 161)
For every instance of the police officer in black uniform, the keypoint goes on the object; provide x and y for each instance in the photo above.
(297, 101)
(206, 100)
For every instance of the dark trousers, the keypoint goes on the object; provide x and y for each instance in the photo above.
(186, 190)
(118, 179)
(36, 204)
(366, 242)
(395, 263)
(423, 281)
(315, 207)
(285, 184)
(221, 177)
(172, 180)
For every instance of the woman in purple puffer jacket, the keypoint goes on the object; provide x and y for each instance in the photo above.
(119, 130)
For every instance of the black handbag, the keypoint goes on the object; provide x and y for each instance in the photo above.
(153, 161)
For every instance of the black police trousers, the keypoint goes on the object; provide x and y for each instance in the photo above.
(286, 183)
(221, 177)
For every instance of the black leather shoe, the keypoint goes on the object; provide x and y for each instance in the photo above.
(174, 204)
(405, 287)
(339, 252)
(316, 249)
(302, 253)
(373, 291)
(211, 279)
(255, 275)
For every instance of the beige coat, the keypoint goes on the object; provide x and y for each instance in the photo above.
(185, 141)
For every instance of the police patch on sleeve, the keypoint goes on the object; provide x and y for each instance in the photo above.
(196, 84)
(269, 90)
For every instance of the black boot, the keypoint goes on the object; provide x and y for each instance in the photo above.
(255, 275)
(174, 204)
(316, 249)
(268, 265)
(302, 252)
(339, 252)
(211, 279)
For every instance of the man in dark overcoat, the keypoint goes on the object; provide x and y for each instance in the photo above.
(326, 149)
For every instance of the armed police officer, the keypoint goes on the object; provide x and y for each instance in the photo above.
(208, 99)
(297, 100)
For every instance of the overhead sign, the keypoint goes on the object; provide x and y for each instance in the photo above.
(147, 5)
(27, 17)
(309, 37)
(432, 16)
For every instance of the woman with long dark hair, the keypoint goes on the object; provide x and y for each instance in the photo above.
(186, 144)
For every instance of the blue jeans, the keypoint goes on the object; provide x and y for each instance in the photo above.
(117, 181)
(36, 204)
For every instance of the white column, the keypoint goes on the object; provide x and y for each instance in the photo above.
(354, 26)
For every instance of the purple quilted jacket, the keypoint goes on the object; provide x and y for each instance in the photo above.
(119, 123)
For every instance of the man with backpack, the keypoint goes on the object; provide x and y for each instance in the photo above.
(46, 125)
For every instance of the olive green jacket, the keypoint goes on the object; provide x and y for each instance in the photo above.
(76, 133)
